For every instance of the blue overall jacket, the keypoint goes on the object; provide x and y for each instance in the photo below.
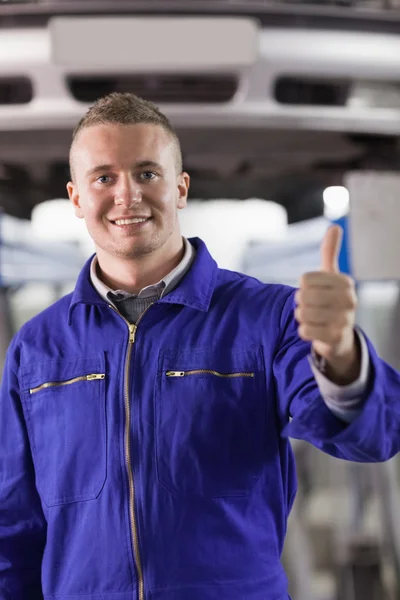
(152, 461)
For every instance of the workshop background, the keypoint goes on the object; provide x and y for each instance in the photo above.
(289, 118)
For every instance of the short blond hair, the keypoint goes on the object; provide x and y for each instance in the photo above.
(126, 109)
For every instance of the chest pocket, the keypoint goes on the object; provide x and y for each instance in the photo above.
(65, 412)
(210, 422)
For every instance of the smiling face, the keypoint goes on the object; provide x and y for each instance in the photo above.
(127, 189)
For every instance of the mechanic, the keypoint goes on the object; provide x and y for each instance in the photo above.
(145, 417)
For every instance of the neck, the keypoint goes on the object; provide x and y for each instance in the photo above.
(132, 275)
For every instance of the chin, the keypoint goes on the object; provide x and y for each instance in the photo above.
(135, 251)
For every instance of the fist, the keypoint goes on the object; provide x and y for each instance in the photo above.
(326, 305)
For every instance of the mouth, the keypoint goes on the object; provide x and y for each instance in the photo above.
(131, 221)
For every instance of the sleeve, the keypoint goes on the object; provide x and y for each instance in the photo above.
(345, 401)
(22, 522)
(374, 435)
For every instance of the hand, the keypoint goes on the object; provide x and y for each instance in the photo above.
(326, 308)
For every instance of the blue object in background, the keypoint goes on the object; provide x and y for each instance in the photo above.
(344, 256)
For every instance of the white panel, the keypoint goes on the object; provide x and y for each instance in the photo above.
(374, 225)
(158, 44)
(356, 54)
(249, 221)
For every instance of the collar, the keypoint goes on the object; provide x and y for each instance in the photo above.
(166, 285)
(194, 290)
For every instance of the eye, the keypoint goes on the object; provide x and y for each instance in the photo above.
(104, 179)
(148, 175)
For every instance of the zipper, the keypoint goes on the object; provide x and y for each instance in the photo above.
(48, 384)
(132, 515)
(207, 372)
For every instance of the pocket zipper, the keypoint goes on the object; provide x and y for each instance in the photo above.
(48, 384)
(207, 372)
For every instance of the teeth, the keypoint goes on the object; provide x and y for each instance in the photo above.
(129, 221)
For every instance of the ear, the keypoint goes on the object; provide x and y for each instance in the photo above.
(74, 197)
(183, 189)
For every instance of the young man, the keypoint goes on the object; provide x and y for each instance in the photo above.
(144, 422)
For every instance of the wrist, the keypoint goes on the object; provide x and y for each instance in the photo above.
(342, 369)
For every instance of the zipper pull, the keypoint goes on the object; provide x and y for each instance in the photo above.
(132, 333)
(175, 373)
(95, 376)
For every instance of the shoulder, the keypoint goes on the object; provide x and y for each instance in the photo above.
(47, 320)
(32, 334)
(252, 291)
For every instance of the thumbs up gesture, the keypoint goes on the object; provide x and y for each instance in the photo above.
(326, 306)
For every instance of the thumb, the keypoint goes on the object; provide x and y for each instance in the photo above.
(330, 249)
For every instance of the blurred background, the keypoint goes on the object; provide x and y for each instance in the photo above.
(289, 117)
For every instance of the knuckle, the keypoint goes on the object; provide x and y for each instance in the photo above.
(300, 331)
(351, 305)
(348, 282)
(303, 332)
(307, 279)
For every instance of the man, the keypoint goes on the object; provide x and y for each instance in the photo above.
(145, 417)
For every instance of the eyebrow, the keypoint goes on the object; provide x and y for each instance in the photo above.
(141, 164)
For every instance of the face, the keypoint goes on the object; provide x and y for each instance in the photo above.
(127, 189)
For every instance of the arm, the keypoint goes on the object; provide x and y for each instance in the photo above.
(372, 436)
(22, 523)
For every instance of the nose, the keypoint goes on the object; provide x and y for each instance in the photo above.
(128, 194)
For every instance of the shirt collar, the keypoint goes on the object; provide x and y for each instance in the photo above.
(195, 290)
(167, 284)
